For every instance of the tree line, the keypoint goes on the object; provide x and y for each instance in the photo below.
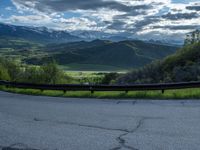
(183, 66)
(46, 74)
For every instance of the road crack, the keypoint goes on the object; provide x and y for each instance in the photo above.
(122, 141)
(121, 138)
(16, 146)
(131, 102)
(81, 125)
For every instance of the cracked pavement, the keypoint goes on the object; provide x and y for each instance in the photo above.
(49, 123)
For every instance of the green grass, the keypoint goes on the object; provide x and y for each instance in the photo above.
(90, 67)
(170, 94)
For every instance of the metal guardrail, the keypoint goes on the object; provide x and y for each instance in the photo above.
(92, 88)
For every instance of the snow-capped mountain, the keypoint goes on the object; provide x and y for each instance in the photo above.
(93, 35)
(90, 35)
(37, 34)
(46, 35)
(166, 42)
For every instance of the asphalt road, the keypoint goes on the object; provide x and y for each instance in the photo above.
(46, 123)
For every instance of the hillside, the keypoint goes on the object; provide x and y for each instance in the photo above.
(18, 48)
(188, 55)
(17, 43)
(36, 34)
(125, 54)
(99, 55)
(182, 66)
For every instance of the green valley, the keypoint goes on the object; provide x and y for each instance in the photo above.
(96, 55)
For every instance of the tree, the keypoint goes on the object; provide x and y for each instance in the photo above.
(13, 69)
(110, 77)
(51, 74)
(31, 75)
(4, 73)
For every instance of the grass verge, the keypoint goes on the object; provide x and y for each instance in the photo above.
(169, 94)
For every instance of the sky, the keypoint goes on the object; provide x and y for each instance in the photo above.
(150, 19)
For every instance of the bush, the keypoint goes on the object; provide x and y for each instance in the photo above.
(12, 68)
(31, 75)
(46, 74)
(109, 78)
(4, 73)
(51, 74)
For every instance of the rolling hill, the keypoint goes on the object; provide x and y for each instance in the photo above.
(183, 66)
(124, 54)
(18, 48)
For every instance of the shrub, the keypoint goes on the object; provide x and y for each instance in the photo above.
(51, 74)
(4, 73)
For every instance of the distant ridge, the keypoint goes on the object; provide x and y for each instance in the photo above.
(36, 34)
(124, 54)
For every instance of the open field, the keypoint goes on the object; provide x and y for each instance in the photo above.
(169, 94)
(91, 67)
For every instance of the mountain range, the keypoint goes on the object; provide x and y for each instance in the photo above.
(38, 45)
(124, 54)
(37, 34)
(46, 35)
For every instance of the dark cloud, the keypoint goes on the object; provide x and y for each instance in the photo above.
(136, 26)
(131, 13)
(126, 22)
(118, 20)
(117, 25)
(196, 8)
(146, 21)
(136, 10)
(65, 5)
(178, 16)
(132, 28)
(178, 27)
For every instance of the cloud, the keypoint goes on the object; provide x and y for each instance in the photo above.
(177, 27)
(197, 8)
(117, 25)
(8, 8)
(66, 5)
(194, 6)
(32, 19)
(178, 16)
(130, 17)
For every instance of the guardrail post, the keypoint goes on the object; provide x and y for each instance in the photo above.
(91, 89)
(64, 91)
(163, 91)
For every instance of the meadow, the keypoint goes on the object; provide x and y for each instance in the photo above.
(90, 68)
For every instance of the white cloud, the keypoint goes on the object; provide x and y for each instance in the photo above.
(137, 17)
(8, 8)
